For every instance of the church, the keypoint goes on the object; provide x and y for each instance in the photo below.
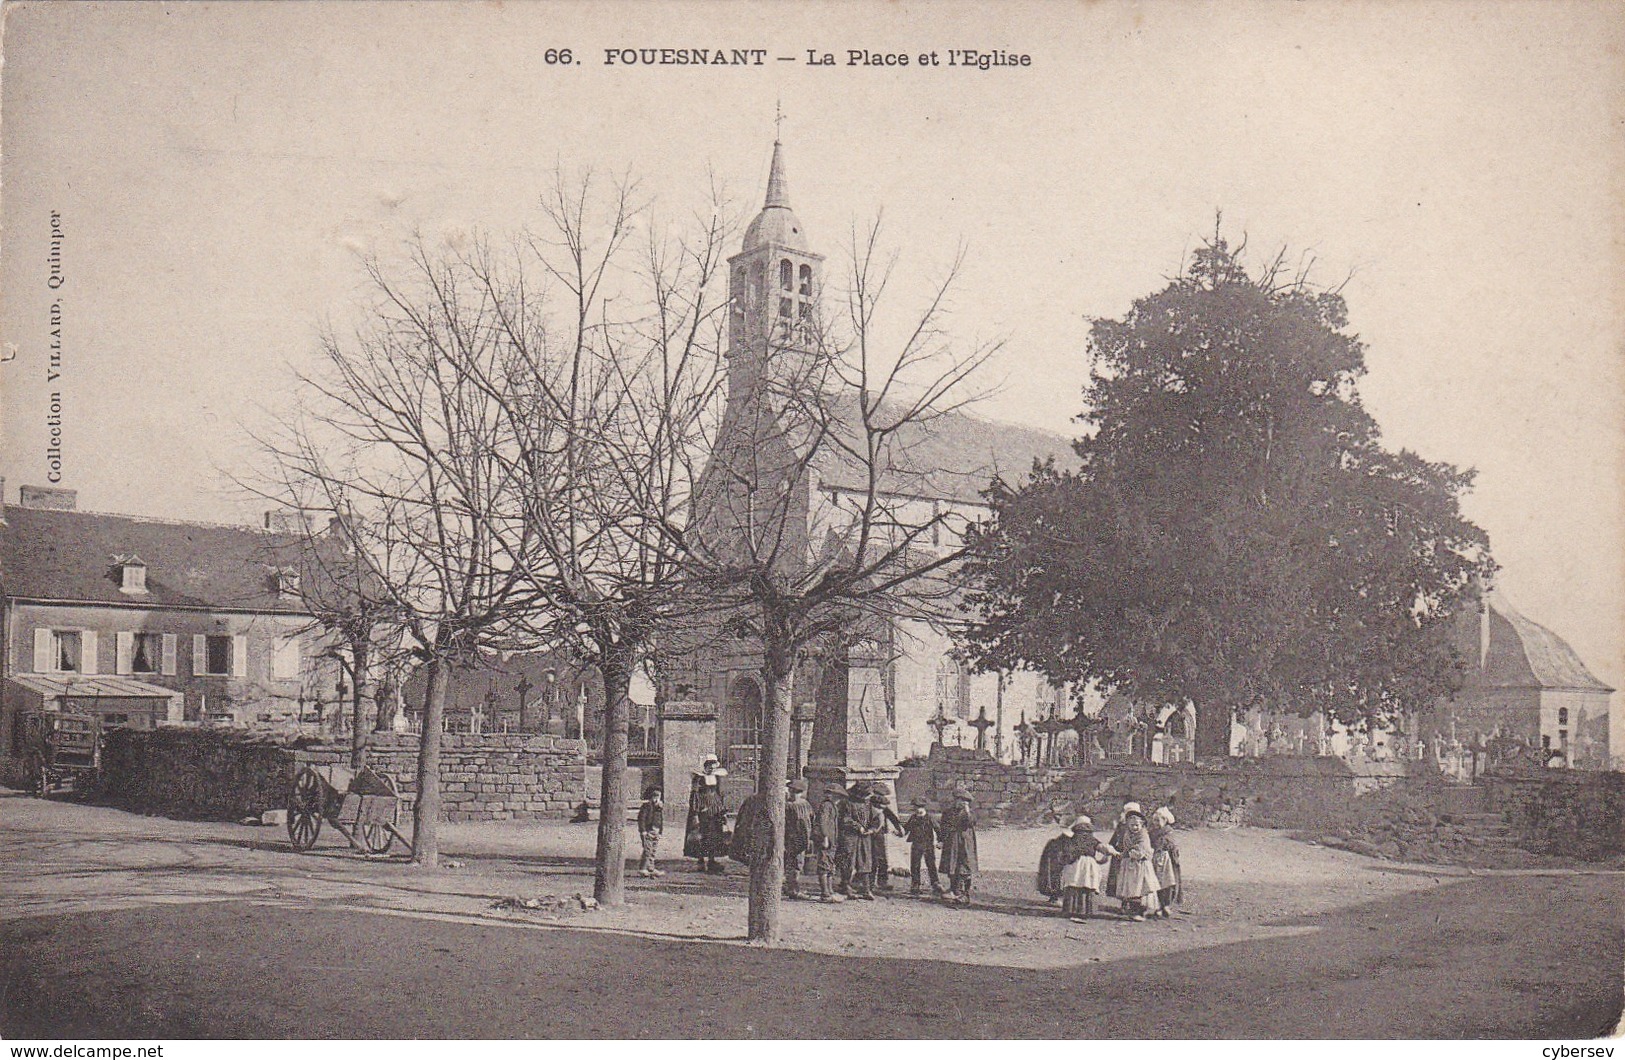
(897, 692)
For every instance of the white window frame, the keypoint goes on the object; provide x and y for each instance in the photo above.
(237, 659)
(162, 656)
(48, 650)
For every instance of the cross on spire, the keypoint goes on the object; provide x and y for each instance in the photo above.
(778, 119)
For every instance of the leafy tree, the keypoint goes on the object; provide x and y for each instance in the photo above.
(1235, 533)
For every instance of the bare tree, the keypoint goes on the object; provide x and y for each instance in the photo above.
(355, 612)
(609, 391)
(404, 448)
(796, 567)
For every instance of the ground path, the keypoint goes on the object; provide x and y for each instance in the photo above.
(122, 925)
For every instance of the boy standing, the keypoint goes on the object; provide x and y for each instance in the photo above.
(651, 825)
(798, 836)
(922, 847)
(958, 832)
(880, 799)
(826, 833)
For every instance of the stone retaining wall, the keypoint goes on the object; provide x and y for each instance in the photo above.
(486, 777)
(225, 774)
(1563, 812)
(1295, 790)
(1394, 810)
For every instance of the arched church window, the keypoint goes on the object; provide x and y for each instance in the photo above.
(754, 290)
(787, 275)
(740, 293)
(806, 281)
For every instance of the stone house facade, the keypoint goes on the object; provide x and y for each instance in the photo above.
(149, 622)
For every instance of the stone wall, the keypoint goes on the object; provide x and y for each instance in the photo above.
(484, 777)
(1290, 792)
(225, 774)
(1563, 812)
(1392, 810)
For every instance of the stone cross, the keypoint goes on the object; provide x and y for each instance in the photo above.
(938, 723)
(523, 688)
(981, 724)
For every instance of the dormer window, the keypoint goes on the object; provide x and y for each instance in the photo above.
(286, 580)
(132, 574)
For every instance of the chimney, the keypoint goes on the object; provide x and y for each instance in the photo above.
(287, 521)
(53, 497)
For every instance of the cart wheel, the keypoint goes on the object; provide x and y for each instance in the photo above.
(375, 838)
(305, 810)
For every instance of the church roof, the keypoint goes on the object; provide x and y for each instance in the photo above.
(777, 224)
(951, 457)
(1523, 653)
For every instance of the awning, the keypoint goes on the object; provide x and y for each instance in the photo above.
(89, 686)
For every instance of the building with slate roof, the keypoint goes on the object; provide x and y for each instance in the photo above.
(1525, 683)
(152, 621)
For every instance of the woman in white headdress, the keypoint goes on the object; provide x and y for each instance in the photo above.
(705, 837)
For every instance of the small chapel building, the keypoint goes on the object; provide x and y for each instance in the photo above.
(1526, 686)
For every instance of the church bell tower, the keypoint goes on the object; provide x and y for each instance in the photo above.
(773, 295)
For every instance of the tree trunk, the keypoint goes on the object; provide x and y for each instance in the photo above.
(609, 870)
(767, 874)
(1212, 732)
(426, 811)
(358, 731)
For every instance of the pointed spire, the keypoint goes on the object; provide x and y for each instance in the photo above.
(778, 189)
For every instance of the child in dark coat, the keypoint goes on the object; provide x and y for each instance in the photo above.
(921, 831)
(958, 831)
(651, 825)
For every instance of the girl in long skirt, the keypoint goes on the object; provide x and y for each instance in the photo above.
(1136, 885)
(1165, 859)
(1082, 877)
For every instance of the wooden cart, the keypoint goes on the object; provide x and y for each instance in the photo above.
(363, 806)
(59, 747)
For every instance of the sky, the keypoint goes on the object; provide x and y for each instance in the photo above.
(218, 171)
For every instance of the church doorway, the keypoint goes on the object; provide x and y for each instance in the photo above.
(740, 735)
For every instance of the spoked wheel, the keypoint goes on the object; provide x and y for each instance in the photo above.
(305, 810)
(375, 838)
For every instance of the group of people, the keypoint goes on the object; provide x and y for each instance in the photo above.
(1138, 866)
(843, 842)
